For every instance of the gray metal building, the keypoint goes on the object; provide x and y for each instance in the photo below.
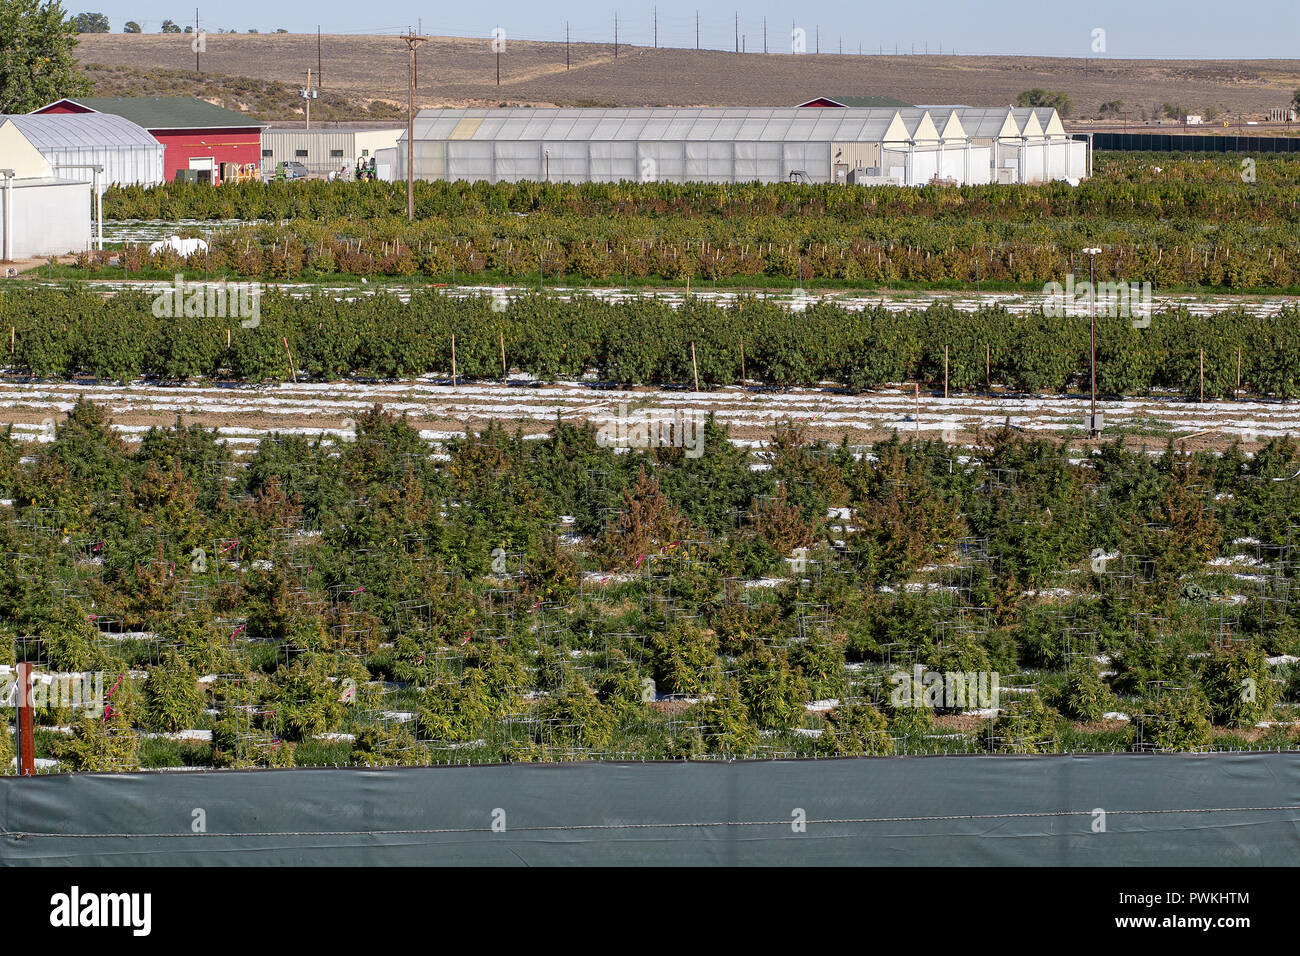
(325, 150)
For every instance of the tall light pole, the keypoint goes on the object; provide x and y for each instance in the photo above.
(1093, 429)
(412, 44)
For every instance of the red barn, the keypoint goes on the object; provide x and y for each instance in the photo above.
(195, 135)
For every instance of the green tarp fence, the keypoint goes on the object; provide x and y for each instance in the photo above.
(1090, 810)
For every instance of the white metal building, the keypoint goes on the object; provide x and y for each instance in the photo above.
(908, 146)
(71, 142)
(39, 214)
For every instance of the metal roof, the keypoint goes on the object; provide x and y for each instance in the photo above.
(784, 124)
(166, 112)
(80, 130)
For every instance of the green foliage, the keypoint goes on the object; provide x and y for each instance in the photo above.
(856, 731)
(377, 746)
(1179, 720)
(457, 710)
(1239, 686)
(1037, 97)
(91, 23)
(37, 64)
(60, 333)
(172, 699)
(1025, 726)
(720, 725)
(1085, 695)
(98, 745)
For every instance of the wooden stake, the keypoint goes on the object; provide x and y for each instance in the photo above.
(1202, 374)
(945, 371)
(988, 366)
(1238, 367)
(227, 338)
(26, 722)
(292, 374)
(695, 369)
(453, 359)
(742, 361)
(504, 374)
(916, 394)
(11, 340)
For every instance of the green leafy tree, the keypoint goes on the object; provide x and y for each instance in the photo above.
(91, 23)
(131, 27)
(1039, 97)
(36, 59)
(169, 27)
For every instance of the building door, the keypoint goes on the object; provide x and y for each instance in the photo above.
(205, 166)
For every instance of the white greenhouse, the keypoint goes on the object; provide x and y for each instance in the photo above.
(906, 146)
(72, 142)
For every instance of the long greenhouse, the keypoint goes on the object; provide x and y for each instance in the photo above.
(909, 146)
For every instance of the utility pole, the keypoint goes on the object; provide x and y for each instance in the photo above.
(765, 34)
(616, 36)
(656, 28)
(737, 31)
(197, 45)
(566, 45)
(412, 44)
(697, 29)
(306, 95)
(319, 71)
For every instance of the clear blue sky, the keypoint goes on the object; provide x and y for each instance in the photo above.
(1134, 28)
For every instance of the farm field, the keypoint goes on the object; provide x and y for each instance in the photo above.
(815, 452)
(1183, 225)
(242, 416)
(367, 599)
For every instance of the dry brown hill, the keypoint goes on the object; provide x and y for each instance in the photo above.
(458, 71)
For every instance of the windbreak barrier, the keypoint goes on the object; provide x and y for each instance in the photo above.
(1173, 142)
(1086, 810)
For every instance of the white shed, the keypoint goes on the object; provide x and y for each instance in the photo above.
(39, 214)
(71, 142)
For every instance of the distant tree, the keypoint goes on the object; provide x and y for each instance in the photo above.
(36, 60)
(1172, 111)
(252, 31)
(1295, 99)
(169, 27)
(281, 30)
(1113, 107)
(1036, 97)
(131, 27)
(91, 23)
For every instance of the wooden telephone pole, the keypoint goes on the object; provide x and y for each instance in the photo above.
(412, 44)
